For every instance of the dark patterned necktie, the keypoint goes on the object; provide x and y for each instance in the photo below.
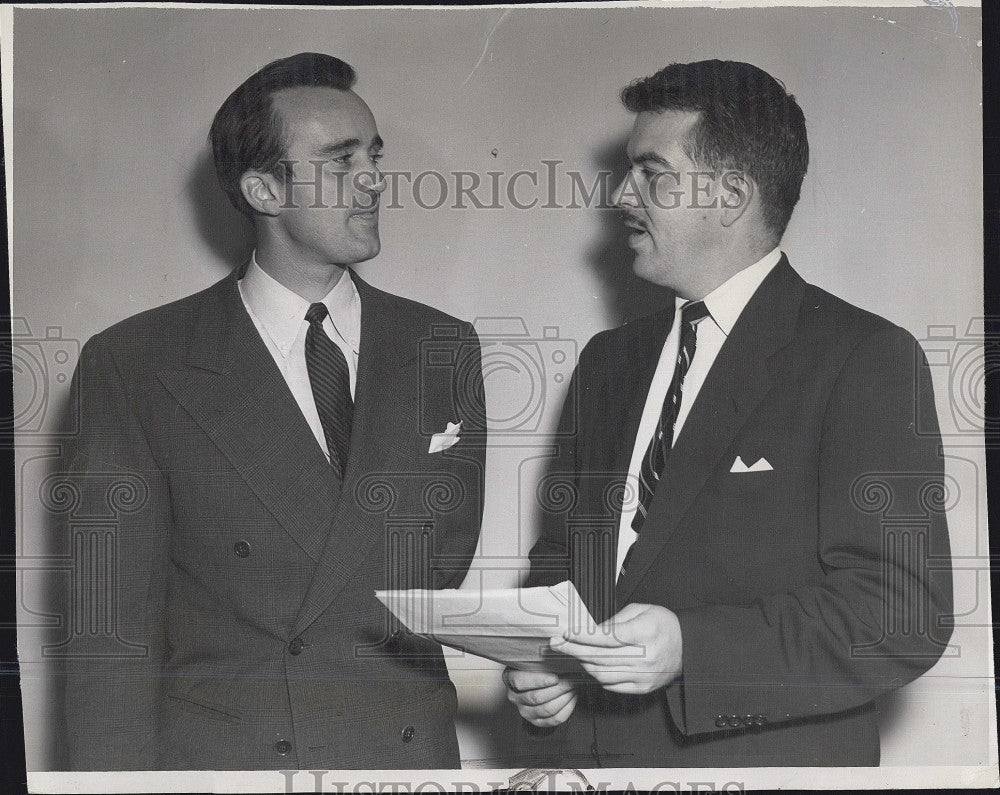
(663, 437)
(330, 380)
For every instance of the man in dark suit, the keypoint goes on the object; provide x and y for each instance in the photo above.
(290, 440)
(756, 520)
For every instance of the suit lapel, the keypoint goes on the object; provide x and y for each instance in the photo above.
(383, 351)
(642, 355)
(736, 384)
(233, 389)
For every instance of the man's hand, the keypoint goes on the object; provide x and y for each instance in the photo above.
(542, 698)
(637, 650)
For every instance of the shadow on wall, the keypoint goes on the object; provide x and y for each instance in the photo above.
(230, 237)
(227, 231)
(890, 713)
(51, 616)
(625, 294)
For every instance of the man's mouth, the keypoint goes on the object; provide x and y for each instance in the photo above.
(636, 228)
(369, 215)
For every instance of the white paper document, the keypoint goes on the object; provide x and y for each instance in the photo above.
(509, 625)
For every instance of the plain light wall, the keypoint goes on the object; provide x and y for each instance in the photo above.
(115, 210)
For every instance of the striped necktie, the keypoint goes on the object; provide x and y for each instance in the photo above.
(663, 437)
(330, 380)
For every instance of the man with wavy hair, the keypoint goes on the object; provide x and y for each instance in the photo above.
(753, 601)
(294, 449)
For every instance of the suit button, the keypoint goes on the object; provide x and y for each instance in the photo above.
(721, 721)
(407, 734)
(735, 721)
(427, 527)
(760, 720)
(296, 646)
(242, 549)
(282, 748)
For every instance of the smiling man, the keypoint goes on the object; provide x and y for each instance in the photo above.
(781, 556)
(275, 431)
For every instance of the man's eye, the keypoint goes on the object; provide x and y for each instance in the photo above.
(342, 160)
(377, 157)
(648, 173)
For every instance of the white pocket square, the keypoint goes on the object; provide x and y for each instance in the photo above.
(445, 439)
(762, 465)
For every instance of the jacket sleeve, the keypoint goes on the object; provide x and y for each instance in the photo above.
(880, 616)
(118, 527)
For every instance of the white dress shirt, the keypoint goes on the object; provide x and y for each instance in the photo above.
(725, 304)
(280, 317)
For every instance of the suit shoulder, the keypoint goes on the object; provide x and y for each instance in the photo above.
(165, 318)
(838, 319)
(631, 330)
(426, 313)
(414, 317)
(622, 340)
(157, 329)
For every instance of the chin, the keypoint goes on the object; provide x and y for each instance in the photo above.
(651, 271)
(367, 252)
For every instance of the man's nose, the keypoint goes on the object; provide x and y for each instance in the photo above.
(372, 180)
(622, 198)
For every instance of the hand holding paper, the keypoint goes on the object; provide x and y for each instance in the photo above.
(543, 698)
(637, 650)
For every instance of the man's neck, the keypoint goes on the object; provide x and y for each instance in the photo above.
(727, 264)
(310, 280)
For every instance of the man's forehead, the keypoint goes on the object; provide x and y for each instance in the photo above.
(662, 132)
(320, 107)
(315, 97)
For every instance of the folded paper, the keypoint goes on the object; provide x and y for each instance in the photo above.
(509, 625)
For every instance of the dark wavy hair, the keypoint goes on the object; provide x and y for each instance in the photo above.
(748, 122)
(248, 133)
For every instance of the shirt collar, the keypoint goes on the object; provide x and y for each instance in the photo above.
(282, 312)
(726, 302)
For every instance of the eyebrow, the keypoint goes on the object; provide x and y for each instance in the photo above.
(348, 143)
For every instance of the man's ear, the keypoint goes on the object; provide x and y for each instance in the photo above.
(736, 191)
(262, 192)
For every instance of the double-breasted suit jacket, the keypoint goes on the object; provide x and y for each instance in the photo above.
(805, 588)
(245, 632)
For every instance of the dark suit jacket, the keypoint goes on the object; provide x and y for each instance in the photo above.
(803, 592)
(244, 632)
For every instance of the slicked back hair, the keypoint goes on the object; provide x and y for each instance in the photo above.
(248, 133)
(748, 123)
